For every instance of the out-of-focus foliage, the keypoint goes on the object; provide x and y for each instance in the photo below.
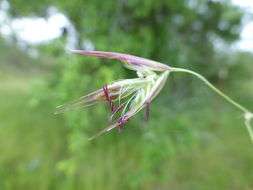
(178, 32)
(192, 138)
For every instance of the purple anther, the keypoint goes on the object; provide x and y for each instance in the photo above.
(119, 108)
(106, 92)
(107, 97)
(121, 127)
(120, 120)
(112, 106)
(147, 110)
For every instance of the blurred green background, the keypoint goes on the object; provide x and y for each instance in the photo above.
(193, 140)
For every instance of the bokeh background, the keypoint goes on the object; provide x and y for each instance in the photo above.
(194, 138)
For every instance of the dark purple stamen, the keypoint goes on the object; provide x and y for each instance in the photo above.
(147, 110)
(107, 97)
(121, 122)
(106, 92)
(112, 106)
(121, 127)
(119, 108)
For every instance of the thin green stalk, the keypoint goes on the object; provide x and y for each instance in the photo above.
(247, 114)
(248, 118)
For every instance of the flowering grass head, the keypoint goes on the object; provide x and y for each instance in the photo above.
(125, 97)
(129, 96)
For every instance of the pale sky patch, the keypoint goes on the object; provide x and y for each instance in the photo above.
(246, 42)
(35, 30)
